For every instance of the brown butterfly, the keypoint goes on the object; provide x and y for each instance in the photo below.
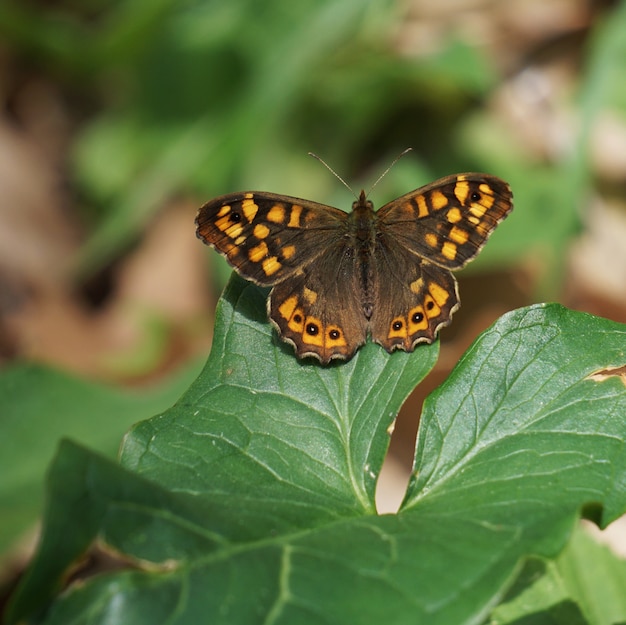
(338, 277)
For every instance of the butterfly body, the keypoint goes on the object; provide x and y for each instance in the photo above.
(338, 277)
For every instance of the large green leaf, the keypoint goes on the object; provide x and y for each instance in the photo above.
(251, 500)
(39, 406)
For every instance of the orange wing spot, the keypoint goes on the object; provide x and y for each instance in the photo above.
(229, 228)
(440, 295)
(417, 320)
(486, 189)
(431, 239)
(232, 251)
(422, 207)
(294, 216)
(335, 337)
(310, 296)
(295, 316)
(473, 220)
(313, 333)
(240, 240)
(258, 252)
(431, 308)
(224, 210)
(271, 265)
(296, 323)
(288, 251)
(276, 214)
(449, 250)
(417, 285)
(454, 215)
(461, 190)
(288, 307)
(261, 231)
(397, 328)
(458, 235)
(478, 210)
(438, 199)
(488, 197)
(234, 231)
(249, 207)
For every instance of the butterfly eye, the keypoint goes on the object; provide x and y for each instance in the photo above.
(417, 317)
(475, 196)
(334, 334)
(397, 325)
(430, 304)
(235, 217)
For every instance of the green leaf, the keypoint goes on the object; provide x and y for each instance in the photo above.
(524, 405)
(39, 406)
(585, 584)
(252, 499)
(595, 578)
(305, 440)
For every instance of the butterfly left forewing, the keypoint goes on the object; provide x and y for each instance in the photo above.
(268, 237)
(449, 220)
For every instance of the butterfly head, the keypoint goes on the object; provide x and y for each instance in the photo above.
(362, 202)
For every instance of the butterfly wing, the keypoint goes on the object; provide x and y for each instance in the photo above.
(416, 298)
(303, 250)
(319, 310)
(421, 237)
(448, 221)
(268, 237)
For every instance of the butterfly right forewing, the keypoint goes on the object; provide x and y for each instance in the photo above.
(449, 220)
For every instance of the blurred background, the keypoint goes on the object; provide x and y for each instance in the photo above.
(121, 117)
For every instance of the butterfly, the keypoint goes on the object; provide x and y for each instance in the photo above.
(340, 277)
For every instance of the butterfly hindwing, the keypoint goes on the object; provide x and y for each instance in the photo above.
(448, 221)
(412, 304)
(268, 237)
(319, 310)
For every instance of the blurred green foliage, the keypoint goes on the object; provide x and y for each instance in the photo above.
(207, 97)
(204, 97)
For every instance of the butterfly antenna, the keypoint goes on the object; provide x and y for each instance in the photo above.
(395, 160)
(334, 173)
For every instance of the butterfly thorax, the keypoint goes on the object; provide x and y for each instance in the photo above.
(363, 230)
